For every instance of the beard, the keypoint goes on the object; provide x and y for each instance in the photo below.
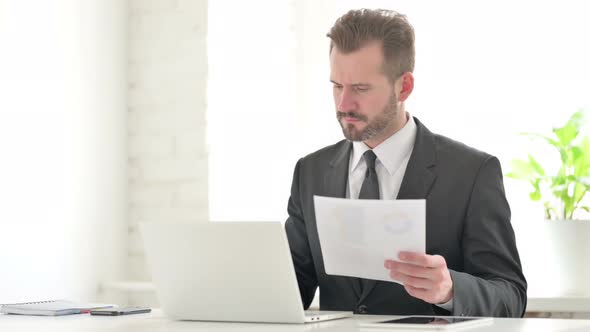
(374, 127)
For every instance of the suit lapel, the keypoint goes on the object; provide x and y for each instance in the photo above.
(418, 178)
(337, 176)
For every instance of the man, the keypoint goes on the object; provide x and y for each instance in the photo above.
(472, 267)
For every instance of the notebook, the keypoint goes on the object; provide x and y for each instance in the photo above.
(51, 308)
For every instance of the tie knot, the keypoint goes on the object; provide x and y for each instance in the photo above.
(370, 157)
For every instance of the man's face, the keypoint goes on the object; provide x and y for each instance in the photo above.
(366, 103)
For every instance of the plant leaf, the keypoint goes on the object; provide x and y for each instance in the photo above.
(579, 193)
(522, 170)
(535, 196)
(566, 134)
(582, 158)
(546, 138)
(571, 129)
(536, 166)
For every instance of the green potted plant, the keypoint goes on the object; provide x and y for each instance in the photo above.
(555, 254)
(562, 193)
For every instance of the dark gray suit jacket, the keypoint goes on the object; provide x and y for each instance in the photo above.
(467, 222)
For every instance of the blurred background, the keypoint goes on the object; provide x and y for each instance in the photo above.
(116, 112)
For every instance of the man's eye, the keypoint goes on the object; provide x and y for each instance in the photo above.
(338, 87)
(362, 88)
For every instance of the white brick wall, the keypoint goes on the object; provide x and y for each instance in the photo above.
(167, 102)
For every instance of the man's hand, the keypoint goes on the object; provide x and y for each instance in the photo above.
(424, 276)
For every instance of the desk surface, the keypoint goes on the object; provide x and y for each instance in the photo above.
(559, 304)
(156, 321)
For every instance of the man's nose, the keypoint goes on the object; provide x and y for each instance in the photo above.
(346, 100)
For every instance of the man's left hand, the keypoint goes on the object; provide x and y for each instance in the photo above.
(424, 276)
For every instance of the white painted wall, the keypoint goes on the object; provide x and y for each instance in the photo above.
(62, 148)
(168, 170)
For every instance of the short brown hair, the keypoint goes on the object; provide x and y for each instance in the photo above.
(359, 27)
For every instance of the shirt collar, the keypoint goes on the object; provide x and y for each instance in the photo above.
(391, 152)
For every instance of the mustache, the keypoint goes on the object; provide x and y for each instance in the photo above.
(340, 115)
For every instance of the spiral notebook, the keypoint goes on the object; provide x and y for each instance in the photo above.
(51, 308)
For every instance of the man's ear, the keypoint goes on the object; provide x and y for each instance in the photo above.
(405, 86)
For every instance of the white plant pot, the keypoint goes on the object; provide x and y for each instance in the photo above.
(555, 255)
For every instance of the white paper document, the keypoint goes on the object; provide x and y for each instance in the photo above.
(358, 235)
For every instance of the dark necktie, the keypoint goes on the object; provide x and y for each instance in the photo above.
(369, 189)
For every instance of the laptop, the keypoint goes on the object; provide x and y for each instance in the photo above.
(226, 271)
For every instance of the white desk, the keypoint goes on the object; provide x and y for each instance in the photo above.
(572, 304)
(156, 321)
(560, 306)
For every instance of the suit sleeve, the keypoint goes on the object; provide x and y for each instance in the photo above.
(299, 244)
(492, 283)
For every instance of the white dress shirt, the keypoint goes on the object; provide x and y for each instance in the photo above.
(393, 155)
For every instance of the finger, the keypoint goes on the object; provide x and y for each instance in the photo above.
(412, 281)
(415, 270)
(422, 259)
(414, 258)
(390, 263)
(420, 293)
(387, 263)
